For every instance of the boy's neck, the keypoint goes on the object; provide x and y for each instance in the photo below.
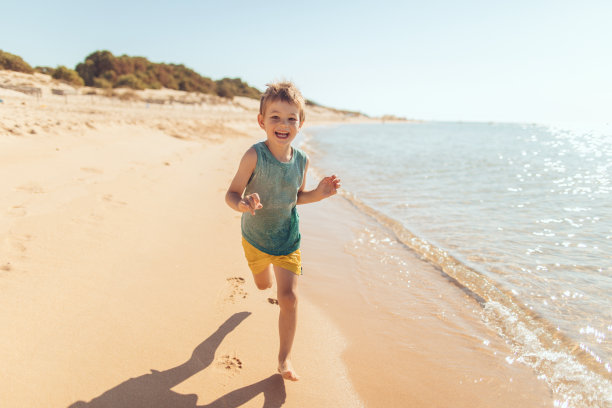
(281, 153)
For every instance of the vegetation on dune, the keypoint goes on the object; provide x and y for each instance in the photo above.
(102, 69)
(14, 63)
(230, 87)
(45, 70)
(67, 75)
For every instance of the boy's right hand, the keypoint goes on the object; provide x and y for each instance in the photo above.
(250, 203)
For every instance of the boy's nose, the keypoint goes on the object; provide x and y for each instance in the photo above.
(285, 123)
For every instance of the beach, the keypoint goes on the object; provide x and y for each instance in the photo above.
(124, 284)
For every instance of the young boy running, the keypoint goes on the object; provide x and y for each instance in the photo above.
(269, 183)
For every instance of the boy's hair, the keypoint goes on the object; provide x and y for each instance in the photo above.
(285, 91)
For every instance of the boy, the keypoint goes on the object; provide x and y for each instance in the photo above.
(269, 183)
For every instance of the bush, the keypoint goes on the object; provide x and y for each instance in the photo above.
(230, 87)
(110, 76)
(129, 96)
(129, 81)
(68, 75)
(95, 65)
(14, 63)
(102, 83)
(45, 70)
(225, 90)
(86, 70)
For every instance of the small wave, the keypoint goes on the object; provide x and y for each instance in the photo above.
(574, 378)
(572, 372)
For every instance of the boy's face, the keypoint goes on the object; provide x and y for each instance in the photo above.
(281, 121)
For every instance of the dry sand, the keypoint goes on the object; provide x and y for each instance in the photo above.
(122, 279)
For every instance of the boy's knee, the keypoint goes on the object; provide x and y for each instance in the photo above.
(288, 300)
(263, 279)
(263, 285)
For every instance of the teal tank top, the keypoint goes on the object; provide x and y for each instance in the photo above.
(274, 229)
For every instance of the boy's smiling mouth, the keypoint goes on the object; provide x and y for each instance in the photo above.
(282, 135)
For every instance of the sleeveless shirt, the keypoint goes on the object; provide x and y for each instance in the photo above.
(274, 229)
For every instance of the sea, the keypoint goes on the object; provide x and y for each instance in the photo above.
(518, 215)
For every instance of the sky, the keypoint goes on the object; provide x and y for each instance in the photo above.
(512, 61)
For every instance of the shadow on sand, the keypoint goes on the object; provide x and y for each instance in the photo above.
(155, 390)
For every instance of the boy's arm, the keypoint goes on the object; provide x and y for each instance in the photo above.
(233, 197)
(326, 188)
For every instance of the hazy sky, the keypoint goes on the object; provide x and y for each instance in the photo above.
(521, 61)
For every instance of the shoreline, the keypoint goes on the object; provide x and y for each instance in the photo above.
(431, 343)
(573, 375)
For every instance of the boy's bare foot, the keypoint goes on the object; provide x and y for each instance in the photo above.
(286, 370)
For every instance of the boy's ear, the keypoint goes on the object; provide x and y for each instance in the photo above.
(302, 123)
(260, 121)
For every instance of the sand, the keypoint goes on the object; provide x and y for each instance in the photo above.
(123, 282)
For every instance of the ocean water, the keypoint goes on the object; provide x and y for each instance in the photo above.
(518, 215)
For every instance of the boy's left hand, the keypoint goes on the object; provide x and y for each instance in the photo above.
(329, 186)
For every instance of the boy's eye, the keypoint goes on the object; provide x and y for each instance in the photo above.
(292, 120)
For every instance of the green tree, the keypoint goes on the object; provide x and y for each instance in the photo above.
(95, 65)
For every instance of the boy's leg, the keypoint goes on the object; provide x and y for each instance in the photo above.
(286, 283)
(263, 279)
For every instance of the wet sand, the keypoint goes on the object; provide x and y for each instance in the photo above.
(415, 338)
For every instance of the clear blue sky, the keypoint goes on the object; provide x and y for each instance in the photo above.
(521, 61)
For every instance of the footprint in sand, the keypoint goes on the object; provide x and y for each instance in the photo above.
(6, 267)
(230, 365)
(92, 170)
(235, 289)
(33, 188)
(17, 242)
(110, 199)
(17, 211)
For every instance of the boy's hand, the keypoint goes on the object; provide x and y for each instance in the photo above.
(328, 186)
(250, 203)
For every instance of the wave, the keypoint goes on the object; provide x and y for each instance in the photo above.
(573, 375)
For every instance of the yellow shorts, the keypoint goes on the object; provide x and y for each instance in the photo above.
(258, 260)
